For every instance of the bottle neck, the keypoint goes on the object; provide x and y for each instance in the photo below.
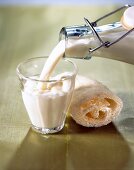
(81, 39)
(83, 30)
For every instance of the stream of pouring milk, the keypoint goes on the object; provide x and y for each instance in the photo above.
(56, 54)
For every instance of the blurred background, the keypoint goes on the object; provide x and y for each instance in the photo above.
(75, 2)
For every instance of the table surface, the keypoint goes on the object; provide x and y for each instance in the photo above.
(27, 32)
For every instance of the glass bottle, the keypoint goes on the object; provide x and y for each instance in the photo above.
(108, 41)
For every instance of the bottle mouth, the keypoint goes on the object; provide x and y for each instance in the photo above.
(74, 31)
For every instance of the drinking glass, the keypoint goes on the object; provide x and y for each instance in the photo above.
(47, 106)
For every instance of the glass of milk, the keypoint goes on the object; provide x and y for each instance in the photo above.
(47, 102)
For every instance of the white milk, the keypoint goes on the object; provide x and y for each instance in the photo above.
(56, 54)
(47, 106)
(46, 109)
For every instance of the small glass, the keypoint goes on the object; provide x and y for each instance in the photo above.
(47, 107)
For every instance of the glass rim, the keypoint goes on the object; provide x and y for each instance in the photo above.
(74, 72)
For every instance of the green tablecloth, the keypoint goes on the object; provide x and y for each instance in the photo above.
(27, 32)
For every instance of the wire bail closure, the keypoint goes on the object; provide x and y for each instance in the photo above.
(105, 44)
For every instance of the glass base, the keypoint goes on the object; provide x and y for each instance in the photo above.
(47, 130)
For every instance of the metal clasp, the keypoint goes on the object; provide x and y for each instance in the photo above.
(94, 24)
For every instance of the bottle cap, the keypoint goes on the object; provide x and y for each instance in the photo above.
(127, 19)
